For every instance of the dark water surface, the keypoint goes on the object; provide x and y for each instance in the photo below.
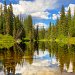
(30, 58)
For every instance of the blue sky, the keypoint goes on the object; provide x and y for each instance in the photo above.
(42, 11)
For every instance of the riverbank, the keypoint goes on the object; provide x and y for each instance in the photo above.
(68, 40)
(10, 39)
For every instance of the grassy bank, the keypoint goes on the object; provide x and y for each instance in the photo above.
(6, 41)
(66, 40)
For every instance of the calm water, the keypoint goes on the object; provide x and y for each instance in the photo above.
(30, 58)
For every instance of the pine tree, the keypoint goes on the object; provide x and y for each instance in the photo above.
(4, 18)
(57, 27)
(43, 33)
(11, 19)
(14, 28)
(17, 28)
(7, 19)
(69, 22)
(73, 25)
(1, 22)
(28, 26)
(36, 33)
(62, 21)
(49, 30)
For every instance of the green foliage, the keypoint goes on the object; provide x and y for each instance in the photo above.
(42, 33)
(10, 24)
(62, 39)
(19, 28)
(28, 27)
(6, 41)
(69, 23)
(61, 36)
(64, 28)
(49, 31)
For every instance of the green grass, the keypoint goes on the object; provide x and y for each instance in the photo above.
(6, 41)
(71, 40)
(44, 40)
(26, 39)
(64, 40)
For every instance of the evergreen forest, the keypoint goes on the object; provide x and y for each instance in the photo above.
(20, 29)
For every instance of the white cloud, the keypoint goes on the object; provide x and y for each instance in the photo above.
(55, 16)
(72, 6)
(1, 5)
(70, 69)
(35, 8)
(41, 54)
(42, 15)
(41, 25)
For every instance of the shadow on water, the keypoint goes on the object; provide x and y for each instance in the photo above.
(24, 52)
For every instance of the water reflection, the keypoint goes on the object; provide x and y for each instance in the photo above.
(6, 45)
(65, 55)
(43, 54)
(10, 57)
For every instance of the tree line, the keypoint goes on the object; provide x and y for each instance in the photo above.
(23, 28)
(63, 28)
(13, 25)
(65, 25)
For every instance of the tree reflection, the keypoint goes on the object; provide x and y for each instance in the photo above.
(42, 46)
(64, 55)
(72, 55)
(29, 52)
(10, 57)
(36, 46)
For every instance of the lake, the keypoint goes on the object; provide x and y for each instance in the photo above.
(38, 58)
